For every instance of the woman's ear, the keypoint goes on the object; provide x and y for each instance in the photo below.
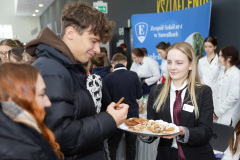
(229, 58)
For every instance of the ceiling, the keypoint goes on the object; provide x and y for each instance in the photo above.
(28, 7)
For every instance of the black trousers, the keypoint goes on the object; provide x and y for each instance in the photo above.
(170, 155)
(113, 143)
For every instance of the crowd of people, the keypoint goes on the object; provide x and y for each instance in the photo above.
(58, 95)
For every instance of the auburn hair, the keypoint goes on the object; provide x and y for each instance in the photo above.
(18, 83)
(233, 147)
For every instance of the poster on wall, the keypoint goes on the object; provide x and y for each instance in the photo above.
(190, 25)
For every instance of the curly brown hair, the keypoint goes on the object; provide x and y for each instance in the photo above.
(82, 16)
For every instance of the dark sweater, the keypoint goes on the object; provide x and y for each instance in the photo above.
(124, 83)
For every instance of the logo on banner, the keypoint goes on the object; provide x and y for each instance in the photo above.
(141, 31)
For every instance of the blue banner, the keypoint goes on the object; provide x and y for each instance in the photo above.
(191, 25)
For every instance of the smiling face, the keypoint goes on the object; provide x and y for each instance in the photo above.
(162, 53)
(178, 65)
(41, 97)
(4, 53)
(83, 46)
(209, 48)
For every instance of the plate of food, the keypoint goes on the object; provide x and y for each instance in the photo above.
(147, 127)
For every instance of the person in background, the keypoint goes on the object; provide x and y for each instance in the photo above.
(98, 65)
(162, 48)
(16, 54)
(97, 89)
(233, 150)
(27, 58)
(5, 46)
(208, 65)
(146, 68)
(19, 43)
(79, 130)
(122, 48)
(106, 61)
(144, 52)
(184, 101)
(22, 101)
(123, 83)
(226, 97)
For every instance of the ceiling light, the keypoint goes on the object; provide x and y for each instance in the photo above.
(40, 5)
(36, 10)
(33, 14)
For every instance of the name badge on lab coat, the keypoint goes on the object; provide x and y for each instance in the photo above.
(188, 108)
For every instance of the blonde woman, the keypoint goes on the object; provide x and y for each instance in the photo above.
(191, 108)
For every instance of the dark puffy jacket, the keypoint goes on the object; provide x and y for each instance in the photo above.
(72, 116)
(102, 71)
(18, 141)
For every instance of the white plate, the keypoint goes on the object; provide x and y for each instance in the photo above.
(124, 127)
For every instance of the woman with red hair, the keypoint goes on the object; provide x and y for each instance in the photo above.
(22, 101)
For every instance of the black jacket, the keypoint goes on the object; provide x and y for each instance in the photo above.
(102, 71)
(72, 116)
(20, 142)
(200, 130)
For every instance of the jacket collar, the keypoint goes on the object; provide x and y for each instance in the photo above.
(18, 114)
(48, 37)
(119, 67)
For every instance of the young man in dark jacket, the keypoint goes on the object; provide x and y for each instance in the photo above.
(123, 83)
(72, 116)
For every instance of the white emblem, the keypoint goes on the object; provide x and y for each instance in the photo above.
(141, 31)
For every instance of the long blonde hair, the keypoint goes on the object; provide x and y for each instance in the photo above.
(193, 78)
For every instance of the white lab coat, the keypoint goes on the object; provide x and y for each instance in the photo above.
(148, 69)
(209, 72)
(164, 70)
(226, 97)
(228, 154)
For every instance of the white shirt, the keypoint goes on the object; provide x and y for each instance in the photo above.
(228, 154)
(172, 100)
(164, 70)
(148, 69)
(226, 97)
(209, 72)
